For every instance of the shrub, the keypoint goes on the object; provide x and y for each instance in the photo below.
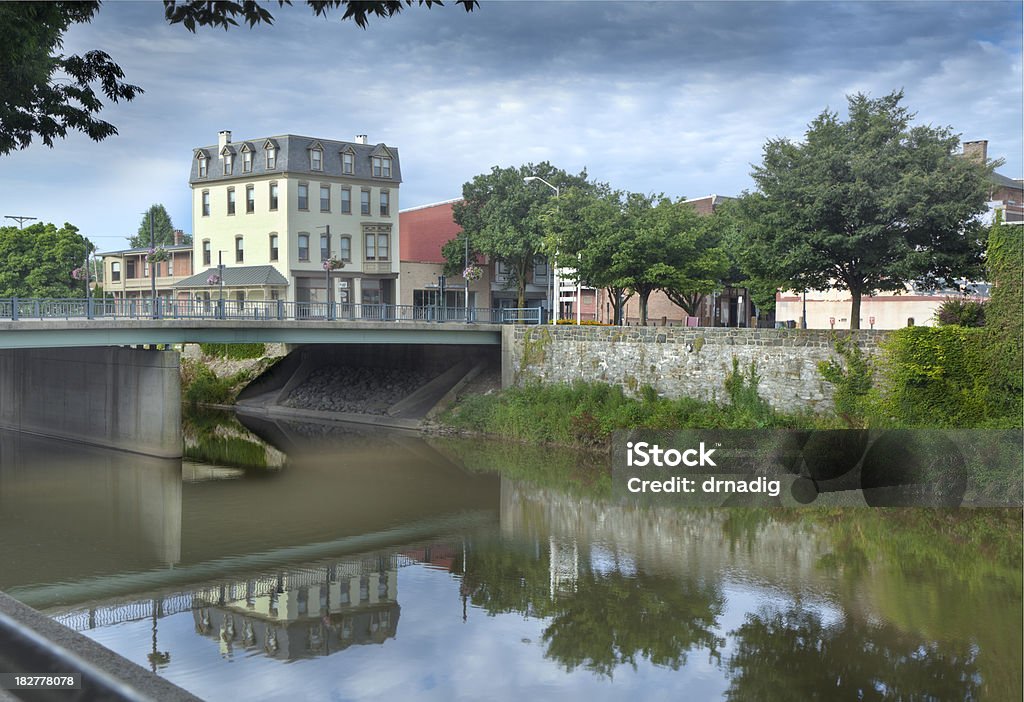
(852, 377)
(961, 312)
(207, 388)
(238, 352)
(1004, 327)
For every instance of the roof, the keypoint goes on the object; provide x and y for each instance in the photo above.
(145, 249)
(236, 276)
(293, 157)
(1006, 182)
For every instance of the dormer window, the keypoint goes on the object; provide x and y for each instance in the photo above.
(271, 148)
(203, 162)
(229, 160)
(316, 157)
(247, 161)
(381, 167)
(348, 162)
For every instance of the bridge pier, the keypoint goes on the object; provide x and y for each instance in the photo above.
(117, 397)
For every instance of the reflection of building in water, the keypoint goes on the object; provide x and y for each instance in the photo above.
(564, 565)
(302, 614)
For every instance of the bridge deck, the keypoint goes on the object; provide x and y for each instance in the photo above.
(51, 333)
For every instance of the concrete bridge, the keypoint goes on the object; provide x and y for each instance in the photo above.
(93, 374)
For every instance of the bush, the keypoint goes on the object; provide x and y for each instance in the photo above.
(936, 377)
(238, 352)
(206, 388)
(1004, 327)
(852, 377)
(961, 312)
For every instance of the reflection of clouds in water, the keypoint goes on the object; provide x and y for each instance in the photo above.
(606, 559)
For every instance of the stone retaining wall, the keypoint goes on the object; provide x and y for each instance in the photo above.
(679, 361)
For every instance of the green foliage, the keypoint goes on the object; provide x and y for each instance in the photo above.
(938, 377)
(586, 414)
(1004, 324)
(852, 377)
(37, 261)
(961, 312)
(503, 216)
(865, 204)
(202, 386)
(234, 351)
(45, 93)
(163, 229)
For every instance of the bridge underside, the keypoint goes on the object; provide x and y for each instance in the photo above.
(53, 333)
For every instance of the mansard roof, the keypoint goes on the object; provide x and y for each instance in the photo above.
(293, 159)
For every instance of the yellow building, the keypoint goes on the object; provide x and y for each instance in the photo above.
(289, 203)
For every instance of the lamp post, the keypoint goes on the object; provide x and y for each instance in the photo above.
(551, 266)
(803, 319)
(152, 264)
(466, 237)
(220, 282)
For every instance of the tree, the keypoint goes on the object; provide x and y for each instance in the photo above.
(46, 94)
(163, 229)
(867, 204)
(39, 260)
(43, 92)
(639, 243)
(503, 216)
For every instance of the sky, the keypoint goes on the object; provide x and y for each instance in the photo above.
(665, 97)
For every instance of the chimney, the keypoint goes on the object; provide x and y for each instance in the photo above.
(360, 138)
(223, 139)
(978, 150)
(178, 236)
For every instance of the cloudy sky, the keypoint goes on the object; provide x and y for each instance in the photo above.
(670, 97)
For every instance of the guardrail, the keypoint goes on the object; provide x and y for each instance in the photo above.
(14, 308)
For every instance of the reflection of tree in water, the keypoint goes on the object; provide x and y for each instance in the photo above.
(793, 655)
(607, 619)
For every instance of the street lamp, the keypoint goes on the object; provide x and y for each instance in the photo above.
(152, 264)
(551, 267)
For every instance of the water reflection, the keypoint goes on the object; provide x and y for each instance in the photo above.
(542, 582)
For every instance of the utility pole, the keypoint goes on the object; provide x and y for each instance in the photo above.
(20, 219)
(466, 237)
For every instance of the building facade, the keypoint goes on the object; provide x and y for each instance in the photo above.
(127, 273)
(284, 205)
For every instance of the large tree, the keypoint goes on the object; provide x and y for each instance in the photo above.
(39, 261)
(867, 204)
(503, 216)
(163, 229)
(46, 94)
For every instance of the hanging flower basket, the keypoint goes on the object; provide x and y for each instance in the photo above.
(158, 254)
(213, 279)
(472, 273)
(333, 264)
(79, 273)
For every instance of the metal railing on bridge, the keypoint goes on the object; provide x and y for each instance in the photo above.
(160, 308)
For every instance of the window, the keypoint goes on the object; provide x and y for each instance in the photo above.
(325, 198)
(239, 249)
(206, 203)
(170, 265)
(385, 203)
(130, 268)
(303, 247)
(206, 252)
(231, 201)
(247, 162)
(273, 247)
(316, 159)
(381, 167)
(377, 246)
(202, 167)
(348, 162)
(364, 202)
(345, 248)
(115, 271)
(325, 247)
(250, 199)
(145, 269)
(346, 200)
(229, 164)
(271, 157)
(273, 196)
(303, 196)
